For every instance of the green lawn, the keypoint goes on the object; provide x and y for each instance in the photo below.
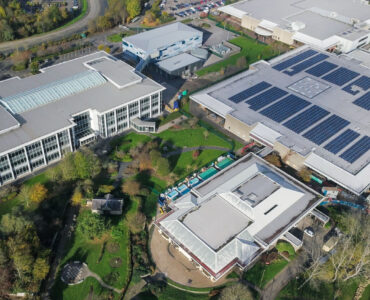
(41, 178)
(89, 252)
(285, 246)
(115, 38)
(324, 291)
(192, 138)
(366, 293)
(128, 141)
(250, 49)
(260, 274)
(170, 117)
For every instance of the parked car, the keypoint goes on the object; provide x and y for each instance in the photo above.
(309, 231)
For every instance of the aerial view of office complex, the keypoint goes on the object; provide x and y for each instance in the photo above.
(185, 149)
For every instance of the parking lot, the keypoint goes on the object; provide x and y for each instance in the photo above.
(190, 8)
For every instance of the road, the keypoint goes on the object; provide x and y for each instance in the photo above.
(95, 8)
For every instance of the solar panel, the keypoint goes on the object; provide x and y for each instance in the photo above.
(326, 129)
(305, 64)
(341, 76)
(355, 87)
(265, 98)
(321, 69)
(259, 87)
(342, 141)
(296, 59)
(285, 108)
(357, 150)
(363, 101)
(305, 119)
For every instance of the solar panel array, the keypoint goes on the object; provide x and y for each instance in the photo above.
(342, 141)
(357, 150)
(341, 76)
(285, 108)
(265, 98)
(306, 118)
(296, 59)
(326, 129)
(305, 64)
(363, 101)
(259, 87)
(353, 88)
(321, 69)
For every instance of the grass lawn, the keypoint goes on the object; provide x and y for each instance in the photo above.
(324, 291)
(170, 117)
(250, 49)
(261, 274)
(366, 293)
(192, 138)
(285, 246)
(128, 141)
(90, 252)
(184, 163)
(41, 178)
(115, 38)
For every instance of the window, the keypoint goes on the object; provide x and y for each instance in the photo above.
(101, 121)
(83, 126)
(144, 104)
(50, 144)
(53, 156)
(6, 177)
(4, 164)
(37, 163)
(34, 151)
(63, 139)
(133, 109)
(21, 170)
(18, 158)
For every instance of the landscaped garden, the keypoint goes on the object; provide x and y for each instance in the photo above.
(250, 49)
(270, 264)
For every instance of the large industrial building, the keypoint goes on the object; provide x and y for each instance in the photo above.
(44, 116)
(162, 43)
(312, 107)
(236, 215)
(341, 25)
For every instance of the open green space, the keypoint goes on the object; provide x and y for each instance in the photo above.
(251, 49)
(170, 117)
(366, 293)
(260, 274)
(128, 141)
(283, 246)
(325, 290)
(117, 37)
(191, 138)
(96, 255)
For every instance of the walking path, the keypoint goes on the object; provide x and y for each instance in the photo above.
(189, 149)
(102, 283)
(171, 123)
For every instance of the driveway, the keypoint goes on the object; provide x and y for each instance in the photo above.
(95, 8)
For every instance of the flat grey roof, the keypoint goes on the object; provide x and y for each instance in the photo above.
(323, 18)
(55, 116)
(7, 121)
(334, 99)
(158, 38)
(256, 189)
(216, 222)
(177, 62)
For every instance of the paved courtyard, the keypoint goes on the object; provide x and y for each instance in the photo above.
(175, 266)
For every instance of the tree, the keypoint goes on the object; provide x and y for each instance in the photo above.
(241, 62)
(131, 187)
(12, 224)
(40, 269)
(68, 168)
(163, 166)
(206, 134)
(154, 156)
(25, 194)
(136, 222)
(305, 174)
(133, 8)
(91, 225)
(77, 197)
(101, 47)
(236, 291)
(196, 154)
(38, 193)
(107, 49)
(6, 279)
(34, 67)
(92, 26)
(54, 173)
(106, 189)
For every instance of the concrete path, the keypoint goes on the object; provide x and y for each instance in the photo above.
(121, 170)
(102, 283)
(95, 8)
(189, 149)
(171, 123)
(273, 288)
(135, 289)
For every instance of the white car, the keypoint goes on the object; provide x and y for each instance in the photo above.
(309, 232)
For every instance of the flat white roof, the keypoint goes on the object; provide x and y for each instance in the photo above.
(177, 62)
(216, 223)
(321, 19)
